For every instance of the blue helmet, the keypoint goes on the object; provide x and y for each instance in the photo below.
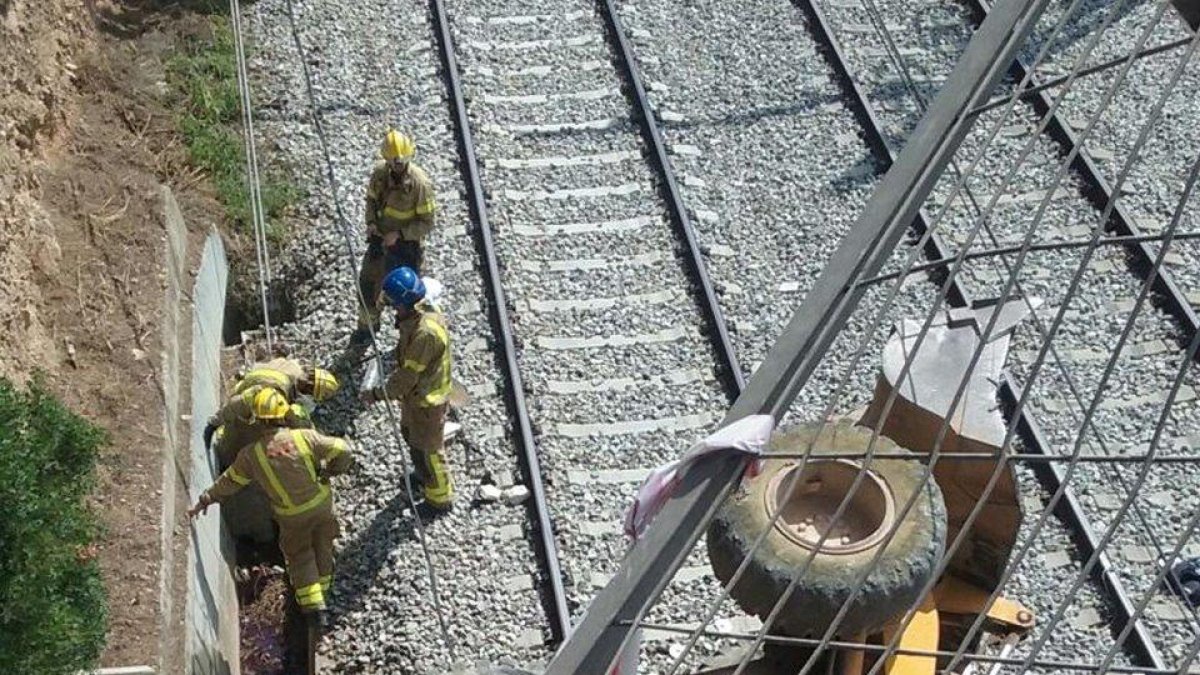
(404, 287)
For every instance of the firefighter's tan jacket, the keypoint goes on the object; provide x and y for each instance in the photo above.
(290, 465)
(422, 374)
(405, 206)
(279, 374)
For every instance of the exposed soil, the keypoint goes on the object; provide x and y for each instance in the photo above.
(264, 597)
(86, 139)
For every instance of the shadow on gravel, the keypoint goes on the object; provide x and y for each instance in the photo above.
(803, 105)
(362, 559)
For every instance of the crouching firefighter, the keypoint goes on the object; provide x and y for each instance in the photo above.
(421, 382)
(293, 467)
(233, 426)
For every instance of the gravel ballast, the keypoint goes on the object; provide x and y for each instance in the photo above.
(612, 346)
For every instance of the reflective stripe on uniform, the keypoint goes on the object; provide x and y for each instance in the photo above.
(311, 595)
(441, 392)
(290, 508)
(339, 446)
(275, 377)
(317, 500)
(426, 207)
(305, 453)
(260, 454)
(236, 476)
(414, 366)
(325, 582)
(442, 491)
(322, 491)
(397, 214)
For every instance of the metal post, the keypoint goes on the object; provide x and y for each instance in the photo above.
(609, 621)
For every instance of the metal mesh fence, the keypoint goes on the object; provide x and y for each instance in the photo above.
(1075, 379)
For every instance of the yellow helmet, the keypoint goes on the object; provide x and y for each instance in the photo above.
(269, 404)
(324, 384)
(398, 146)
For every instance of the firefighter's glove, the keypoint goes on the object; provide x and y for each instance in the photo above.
(209, 430)
(201, 506)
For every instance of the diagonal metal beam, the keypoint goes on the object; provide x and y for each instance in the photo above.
(608, 623)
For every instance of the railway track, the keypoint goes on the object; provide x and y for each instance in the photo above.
(599, 204)
(1132, 557)
(886, 112)
(584, 186)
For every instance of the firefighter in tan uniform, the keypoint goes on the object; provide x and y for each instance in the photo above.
(293, 467)
(233, 426)
(399, 215)
(421, 382)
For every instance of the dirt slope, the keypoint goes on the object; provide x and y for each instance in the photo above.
(85, 141)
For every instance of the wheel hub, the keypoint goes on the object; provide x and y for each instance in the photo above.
(807, 512)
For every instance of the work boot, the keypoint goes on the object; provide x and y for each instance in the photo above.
(428, 512)
(317, 619)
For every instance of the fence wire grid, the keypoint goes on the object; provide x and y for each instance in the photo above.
(1101, 365)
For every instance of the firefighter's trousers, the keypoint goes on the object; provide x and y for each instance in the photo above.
(376, 264)
(306, 540)
(423, 429)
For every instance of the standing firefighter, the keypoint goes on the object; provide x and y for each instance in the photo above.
(421, 382)
(399, 215)
(293, 467)
(233, 426)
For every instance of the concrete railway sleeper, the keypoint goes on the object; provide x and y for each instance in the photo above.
(572, 197)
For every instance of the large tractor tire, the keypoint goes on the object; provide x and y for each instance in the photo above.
(894, 582)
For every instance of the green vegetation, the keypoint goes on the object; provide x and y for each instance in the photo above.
(204, 76)
(52, 602)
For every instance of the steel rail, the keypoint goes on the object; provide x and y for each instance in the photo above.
(1071, 512)
(1100, 193)
(935, 246)
(735, 380)
(1140, 643)
(556, 603)
(606, 627)
(1090, 70)
(1007, 250)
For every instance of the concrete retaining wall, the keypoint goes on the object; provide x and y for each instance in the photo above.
(212, 607)
(175, 268)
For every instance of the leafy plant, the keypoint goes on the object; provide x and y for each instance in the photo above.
(52, 599)
(204, 75)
